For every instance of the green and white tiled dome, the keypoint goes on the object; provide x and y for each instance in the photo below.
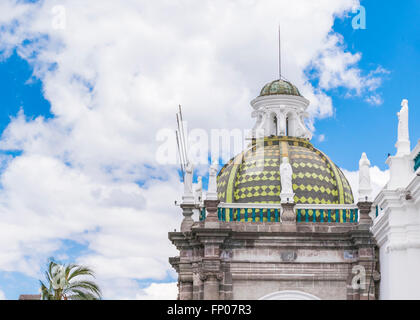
(280, 87)
(254, 175)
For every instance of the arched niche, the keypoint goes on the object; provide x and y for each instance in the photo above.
(289, 295)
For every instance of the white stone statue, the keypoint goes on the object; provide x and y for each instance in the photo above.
(259, 116)
(281, 124)
(188, 179)
(365, 188)
(263, 126)
(403, 143)
(286, 176)
(403, 121)
(212, 188)
(306, 133)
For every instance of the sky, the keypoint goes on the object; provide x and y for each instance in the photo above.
(86, 87)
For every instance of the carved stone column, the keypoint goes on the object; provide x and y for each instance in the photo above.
(211, 284)
(185, 288)
(363, 239)
(211, 272)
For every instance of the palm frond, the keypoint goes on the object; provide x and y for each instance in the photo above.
(86, 285)
(72, 288)
(81, 271)
(45, 292)
(82, 295)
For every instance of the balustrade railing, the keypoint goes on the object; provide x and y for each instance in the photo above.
(272, 213)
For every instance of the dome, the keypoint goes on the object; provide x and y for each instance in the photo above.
(254, 175)
(280, 87)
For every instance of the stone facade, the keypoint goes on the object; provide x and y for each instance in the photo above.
(320, 256)
(252, 260)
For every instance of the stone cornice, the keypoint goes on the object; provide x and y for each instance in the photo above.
(275, 100)
(415, 151)
(349, 239)
(414, 189)
(398, 226)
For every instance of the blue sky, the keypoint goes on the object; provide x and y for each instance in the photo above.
(19, 89)
(391, 41)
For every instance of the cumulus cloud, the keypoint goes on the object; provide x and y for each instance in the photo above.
(378, 178)
(336, 67)
(2, 295)
(158, 291)
(114, 75)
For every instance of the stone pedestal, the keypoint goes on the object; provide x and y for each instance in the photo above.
(288, 216)
(212, 221)
(187, 211)
(287, 197)
(365, 220)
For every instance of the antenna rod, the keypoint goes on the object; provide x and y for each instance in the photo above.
(180, 112)
(279, 52)
(181, 162)
(183, 139)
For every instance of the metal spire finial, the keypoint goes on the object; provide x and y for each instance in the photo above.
(279, 52)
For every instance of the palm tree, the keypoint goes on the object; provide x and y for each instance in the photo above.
(69, 282)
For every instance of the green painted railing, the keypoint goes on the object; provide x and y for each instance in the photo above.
(203, 214)
(417, 162)
(249, 214)
(327, 215)
(273, 215)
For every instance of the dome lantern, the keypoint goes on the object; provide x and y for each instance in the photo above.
(280, 110)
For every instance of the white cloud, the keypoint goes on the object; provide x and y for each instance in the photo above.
(337, 67)
(375, 100)
(2, 295)
(159, 291)
(378, 179)
(114, 77)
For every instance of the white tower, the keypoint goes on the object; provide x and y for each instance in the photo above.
(396, 225)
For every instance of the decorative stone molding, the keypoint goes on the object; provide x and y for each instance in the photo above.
(289, 295)
(209, 275)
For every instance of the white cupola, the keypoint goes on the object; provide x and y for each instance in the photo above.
(280, 110)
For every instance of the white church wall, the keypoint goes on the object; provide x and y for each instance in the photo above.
(397, 227)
